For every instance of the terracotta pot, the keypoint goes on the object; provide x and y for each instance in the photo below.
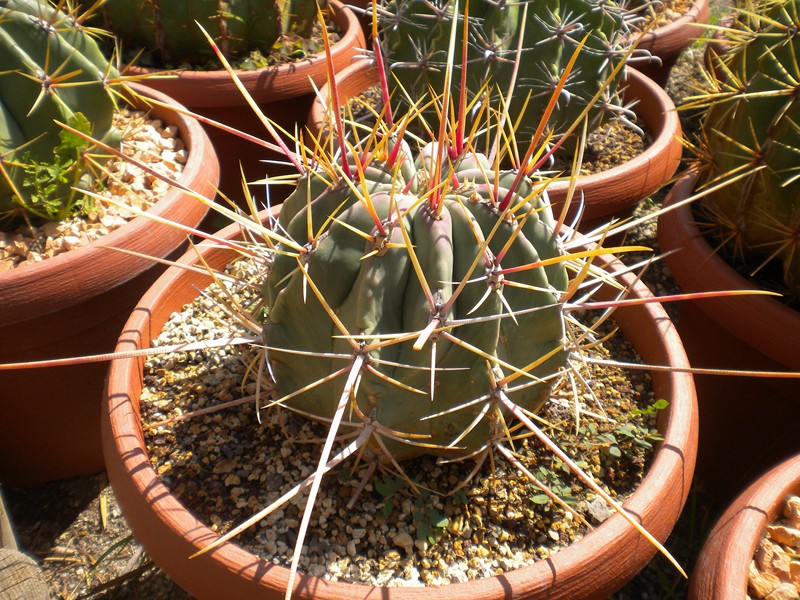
(284, 93)
(743, 332)
(668, 41)
(75, 304)
(592, 568)
(722, 566)
(614, 192)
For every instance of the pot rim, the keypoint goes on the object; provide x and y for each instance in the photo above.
(723, 564)
(73, 276)
(670, 39)
(631, 181)
(206, 89)
(149, 506)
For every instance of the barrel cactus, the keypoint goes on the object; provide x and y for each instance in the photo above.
(416, 38)
(170, 28)
(50, 70)
(750, 139)
(400, 255)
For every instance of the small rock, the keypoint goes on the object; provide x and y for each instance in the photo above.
(226, 465)
(405, 541)
(784, 535)
(765, 550)
(599, 509)
(794, 573)
(785, 591)
(760, 585)
(792, 511)
(51, 229)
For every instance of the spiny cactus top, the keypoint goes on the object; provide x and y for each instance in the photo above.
(169, 27)
(416, 42)
(753, 126)
(50, 69)
(395, 255)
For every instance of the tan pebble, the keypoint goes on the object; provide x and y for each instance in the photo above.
(170, 131)
(232, 480)
(784, 535)
(404, 540)
(794, 572)
(454, 526)
(169, 155)
(33, 257)
(792, 511)
(226, 465)
(6, 265)
(765, 550)
(785, 591)
(51, 229)
(760, 585)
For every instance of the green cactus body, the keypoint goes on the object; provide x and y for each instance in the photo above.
(37, 45)
(416, 40)
(374, 290)
(757, 125)
(169, 27)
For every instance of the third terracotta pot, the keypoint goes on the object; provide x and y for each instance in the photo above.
(756, 416)
(284, 93)
(75, 304)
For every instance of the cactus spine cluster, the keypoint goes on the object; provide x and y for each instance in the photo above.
(50, 70)
(397, 255)
(547, 32)
(169, 28)
(751, 128)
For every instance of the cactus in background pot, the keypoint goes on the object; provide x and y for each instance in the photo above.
(170, 28)
(751, 139)
(50, 70)
(416, 37)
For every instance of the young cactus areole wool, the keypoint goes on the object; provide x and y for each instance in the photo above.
(50, 70)
(170, 28)
(751, 139)
(410, 275)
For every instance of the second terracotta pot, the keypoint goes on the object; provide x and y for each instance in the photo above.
(610, 193)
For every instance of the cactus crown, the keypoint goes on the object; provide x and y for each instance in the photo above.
(751, 141)
(51, 70)
(169, 28)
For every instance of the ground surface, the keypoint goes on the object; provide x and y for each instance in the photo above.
(77, 531)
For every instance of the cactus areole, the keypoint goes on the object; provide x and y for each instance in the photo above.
(50, 69)
(419, 282)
